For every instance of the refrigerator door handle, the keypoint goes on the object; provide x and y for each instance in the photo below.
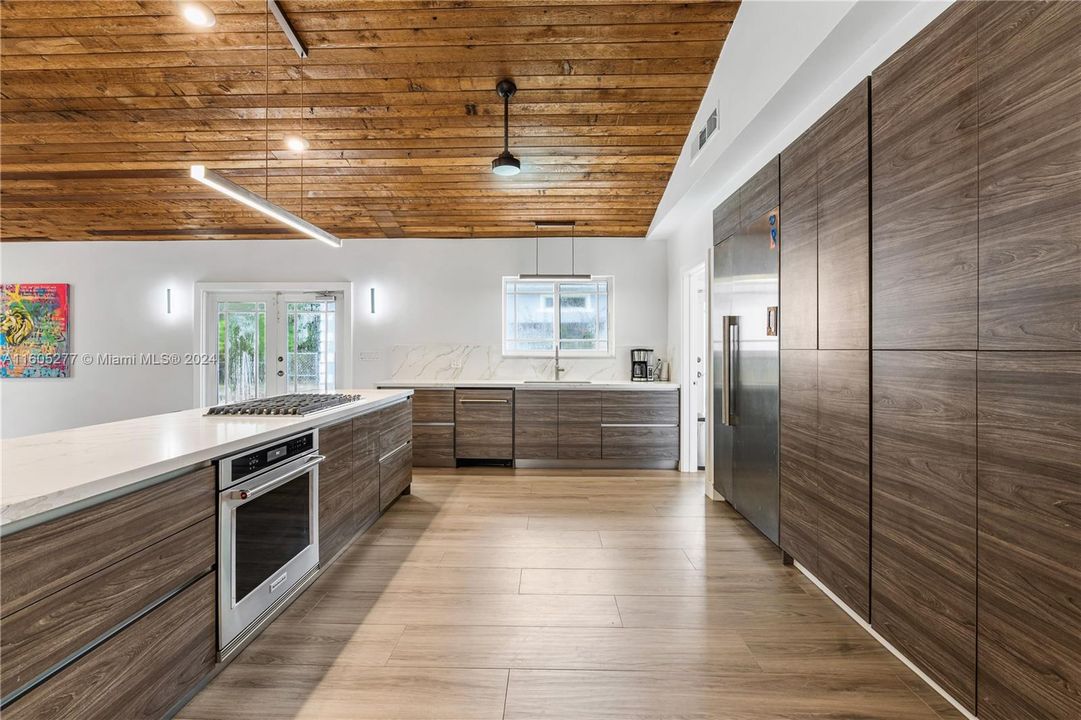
(727, 323)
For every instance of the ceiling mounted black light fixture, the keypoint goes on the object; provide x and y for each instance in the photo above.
(506, 163)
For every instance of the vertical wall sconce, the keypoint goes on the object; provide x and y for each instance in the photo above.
(371, 300)
(168, 301)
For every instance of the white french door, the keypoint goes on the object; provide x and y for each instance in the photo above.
(269, 343)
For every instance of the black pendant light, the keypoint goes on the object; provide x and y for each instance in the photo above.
(506, 164)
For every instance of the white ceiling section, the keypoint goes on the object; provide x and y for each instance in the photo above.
(783, 65)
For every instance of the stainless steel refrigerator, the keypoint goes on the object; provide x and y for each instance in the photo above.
(746, 371)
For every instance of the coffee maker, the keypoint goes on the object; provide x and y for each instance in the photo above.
(642, 364)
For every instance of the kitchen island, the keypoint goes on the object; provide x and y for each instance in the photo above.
(113, 561)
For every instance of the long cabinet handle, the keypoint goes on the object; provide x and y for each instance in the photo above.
(396, 450)
(727, 323)
(484, 401)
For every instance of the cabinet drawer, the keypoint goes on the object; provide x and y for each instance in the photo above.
(640, 443)
(644, 407)
(44, 633)
(395, 474)
(484, 424)
(40, 560)
(433, 406)
(395, 427)
(433, 445)
(140, 673)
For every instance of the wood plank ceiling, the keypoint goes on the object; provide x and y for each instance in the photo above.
(107, 103)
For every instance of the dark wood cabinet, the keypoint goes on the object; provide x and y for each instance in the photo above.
(139, 674)
(844, 224)
(365, 468)
(1029, 176)
(799, 456)
(40, 560)
(640, 407)
(1029, 468)
(924, 512)
(395, 474)
(580, 414)
(336, 518)
(726, 218)
(484, 424)
(536, 424)
(433, 427)
(844, 471)
(648, 444)
(799, 244)
(760, 194)
(924, 185)
(39, 636)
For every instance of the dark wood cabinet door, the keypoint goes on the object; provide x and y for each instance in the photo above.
(336, 519)
(536, 424)
(799, 244)
(45, 633)
(799, 456)
(924, 184)
(140, 673)
(844, 472)
(433, 405)
(1030, 175)
(648, 444)
(484, 424)
(640, 407)
(924, 512)
(365, 468)
(726, 218)
(843, 225)
(433, 445)
(1030, 535)
(395, 474)
(580, 424)
(760, 194)
(40, 560)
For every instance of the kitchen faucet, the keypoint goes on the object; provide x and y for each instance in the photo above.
(558, 369)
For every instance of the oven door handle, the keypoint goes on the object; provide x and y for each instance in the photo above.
(252, 493)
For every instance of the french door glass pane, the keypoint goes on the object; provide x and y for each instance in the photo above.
(241, 351)
(309, 350)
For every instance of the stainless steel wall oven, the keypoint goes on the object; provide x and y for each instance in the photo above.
(268, 533)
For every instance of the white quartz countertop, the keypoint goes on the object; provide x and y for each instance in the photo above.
(534, 384)
(53, 473)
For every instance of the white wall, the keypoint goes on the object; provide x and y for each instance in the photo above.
(428, 292)
(785, 63)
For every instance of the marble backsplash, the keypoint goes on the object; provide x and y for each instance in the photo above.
(486, 362)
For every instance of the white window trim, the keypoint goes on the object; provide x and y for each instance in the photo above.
(610, 353)
(203, 291)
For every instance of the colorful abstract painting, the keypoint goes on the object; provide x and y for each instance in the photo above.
(34, 330)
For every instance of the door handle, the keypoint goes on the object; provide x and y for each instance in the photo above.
(252, 493)
(470, 402)
(727, 323)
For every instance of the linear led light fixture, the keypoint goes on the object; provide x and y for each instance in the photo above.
(227, 187)
(537, 275)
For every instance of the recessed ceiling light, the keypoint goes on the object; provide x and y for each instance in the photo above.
(296, 143)
(198, 14)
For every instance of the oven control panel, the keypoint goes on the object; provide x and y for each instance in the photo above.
(238, 467)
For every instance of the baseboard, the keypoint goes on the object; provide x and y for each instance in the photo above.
(598, 464)
(886, 644)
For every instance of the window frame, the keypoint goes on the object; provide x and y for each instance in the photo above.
(609, 353)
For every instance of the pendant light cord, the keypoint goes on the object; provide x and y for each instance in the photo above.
(506, 123)
(266, 110)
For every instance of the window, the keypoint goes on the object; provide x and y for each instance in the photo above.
(538, 313)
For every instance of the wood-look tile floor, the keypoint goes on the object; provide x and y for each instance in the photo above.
(569, 595)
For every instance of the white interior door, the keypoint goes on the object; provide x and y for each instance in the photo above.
(272, 343)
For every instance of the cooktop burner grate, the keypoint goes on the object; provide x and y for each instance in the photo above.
(296, 404)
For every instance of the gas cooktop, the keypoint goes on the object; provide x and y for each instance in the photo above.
(297, 404)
